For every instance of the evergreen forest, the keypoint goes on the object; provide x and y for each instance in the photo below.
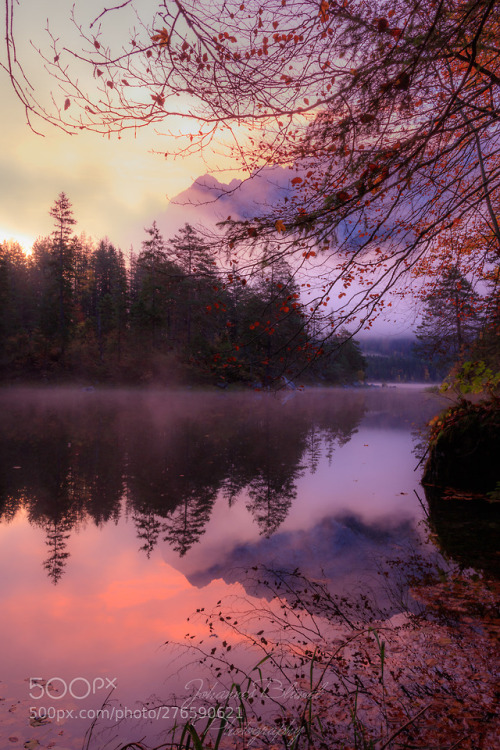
(79, 311)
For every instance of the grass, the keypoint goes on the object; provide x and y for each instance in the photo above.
(350, 677)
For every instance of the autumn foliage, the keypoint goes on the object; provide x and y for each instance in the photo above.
(385, 114)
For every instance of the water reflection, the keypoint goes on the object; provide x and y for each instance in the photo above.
(459, 519)
(350, 554)
(69, 458)
(153, 505)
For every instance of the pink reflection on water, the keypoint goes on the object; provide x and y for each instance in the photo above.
(113, 609)
(109, 618)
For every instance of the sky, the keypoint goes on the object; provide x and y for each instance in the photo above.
(117, 186)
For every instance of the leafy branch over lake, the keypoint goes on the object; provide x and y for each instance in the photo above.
(305, 668)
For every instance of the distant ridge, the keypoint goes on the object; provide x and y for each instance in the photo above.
(208, 201)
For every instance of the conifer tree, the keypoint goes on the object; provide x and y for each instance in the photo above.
(450, 322)
(62, 262)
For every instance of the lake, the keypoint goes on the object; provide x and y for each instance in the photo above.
(135, 525)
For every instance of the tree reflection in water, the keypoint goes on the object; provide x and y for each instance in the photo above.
(162, 460)
(324, 670)
(347, 670)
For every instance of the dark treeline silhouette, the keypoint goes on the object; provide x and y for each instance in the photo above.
(458, 323)
(68, 457)
(396, 360)
(454, 317)
(76, 309)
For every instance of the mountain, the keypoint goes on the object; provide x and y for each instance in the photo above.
(209, 201)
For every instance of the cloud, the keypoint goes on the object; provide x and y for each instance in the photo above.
(117, 186)
(345, 550)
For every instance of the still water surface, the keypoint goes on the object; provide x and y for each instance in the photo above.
(123, 512)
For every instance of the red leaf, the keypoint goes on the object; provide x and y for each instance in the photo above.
(323, 11)
(343, 196)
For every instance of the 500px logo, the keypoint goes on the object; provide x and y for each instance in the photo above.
(79, 687)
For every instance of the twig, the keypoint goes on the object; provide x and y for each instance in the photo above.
(425, 454)
(401, 729)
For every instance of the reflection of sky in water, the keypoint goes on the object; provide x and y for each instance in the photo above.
(113, 608)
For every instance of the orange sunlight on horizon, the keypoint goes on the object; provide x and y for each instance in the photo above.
(24, 240)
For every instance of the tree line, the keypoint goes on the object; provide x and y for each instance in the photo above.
(76, 308)
(386, 113)
(459, 324)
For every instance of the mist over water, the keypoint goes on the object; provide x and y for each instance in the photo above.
(123, 511)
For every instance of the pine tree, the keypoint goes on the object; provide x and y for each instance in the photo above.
(16, 306)
(155, 285)
(62, 257)
(186, 524)
(109, 293)
(196, 292)
(450, 322)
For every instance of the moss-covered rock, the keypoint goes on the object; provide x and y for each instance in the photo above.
(464, 448)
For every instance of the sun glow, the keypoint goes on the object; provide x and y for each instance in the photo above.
(26, 241)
